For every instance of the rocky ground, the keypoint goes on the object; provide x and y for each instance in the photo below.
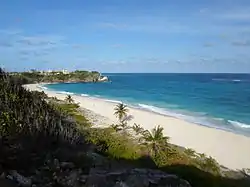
(101, 173)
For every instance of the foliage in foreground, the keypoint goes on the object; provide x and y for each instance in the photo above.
(29, 125)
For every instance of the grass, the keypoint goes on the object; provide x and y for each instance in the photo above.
(73, 111)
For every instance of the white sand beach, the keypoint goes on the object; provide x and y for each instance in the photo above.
(229, 149)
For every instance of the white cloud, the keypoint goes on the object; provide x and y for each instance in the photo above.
(19, 43)
(239, 14)
(244, 43)
(208, 45)
(39, 40)
(114, 62)
(10, 32)
(225, 13)
(112, 25)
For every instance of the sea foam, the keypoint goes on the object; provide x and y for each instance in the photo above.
(231, 80)
(84, 95)
(42, 87)
(64, 92)
(199, 118)
(113, 101)
(152, 109)
(170, 113)
(238, 124)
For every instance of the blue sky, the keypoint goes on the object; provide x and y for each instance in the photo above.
(126, 36)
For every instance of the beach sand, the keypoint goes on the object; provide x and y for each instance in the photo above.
(229, 149)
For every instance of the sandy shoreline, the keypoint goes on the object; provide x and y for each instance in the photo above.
(229, 149)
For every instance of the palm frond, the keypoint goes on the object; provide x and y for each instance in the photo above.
(155, 140)
(121, 111)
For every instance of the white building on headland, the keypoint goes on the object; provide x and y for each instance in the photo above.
(54, 72)
(65, 71)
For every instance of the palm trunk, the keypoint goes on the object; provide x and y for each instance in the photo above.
(154, 149)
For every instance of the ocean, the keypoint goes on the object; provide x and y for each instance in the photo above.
(215, 100)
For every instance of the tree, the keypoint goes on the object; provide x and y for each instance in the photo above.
(33, 70)
(190, 152)
(155, 140)
(41, 94)
(202, 156)
(115, 127)
(69, 99)
(123, 127)
(210, 164)
(138, 129)
(121, 111)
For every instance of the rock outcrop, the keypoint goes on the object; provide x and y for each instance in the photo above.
(67, 174)
(103, 79)
(133, 178)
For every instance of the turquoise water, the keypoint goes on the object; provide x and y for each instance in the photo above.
(214, 100)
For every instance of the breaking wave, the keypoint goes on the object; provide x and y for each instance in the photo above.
(64, 92)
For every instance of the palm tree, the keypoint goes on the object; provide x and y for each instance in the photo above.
(137, 128)
(69, 99)
(155, 140)
(211, 164)
(123, 127)
(121, 111)
(190, 152)
(115, 127)
(202, 156)
(245, 171)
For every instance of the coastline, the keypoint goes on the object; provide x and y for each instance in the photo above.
(213, 142)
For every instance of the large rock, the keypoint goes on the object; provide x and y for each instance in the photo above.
(98, 160)
(67, 174)
(7, 183)
(134, 178)
(19, 179)
(67, 165)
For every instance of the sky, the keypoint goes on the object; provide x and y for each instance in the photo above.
(208, 36)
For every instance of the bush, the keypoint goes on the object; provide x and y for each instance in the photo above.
(112, 144)
(29, 125)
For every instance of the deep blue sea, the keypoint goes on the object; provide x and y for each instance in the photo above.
(215, 100)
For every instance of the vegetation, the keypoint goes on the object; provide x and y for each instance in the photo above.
(56, 76)
(29, 126)
(72, 111)
(33, 127)
(121, 111)
(155, 140)
(138, 129)
(190, 152)
(112, 144)
(69, 99)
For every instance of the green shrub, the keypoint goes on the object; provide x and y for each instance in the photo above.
(113, 144)
(29, 124)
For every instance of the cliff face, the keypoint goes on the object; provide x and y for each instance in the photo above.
(103, 79)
